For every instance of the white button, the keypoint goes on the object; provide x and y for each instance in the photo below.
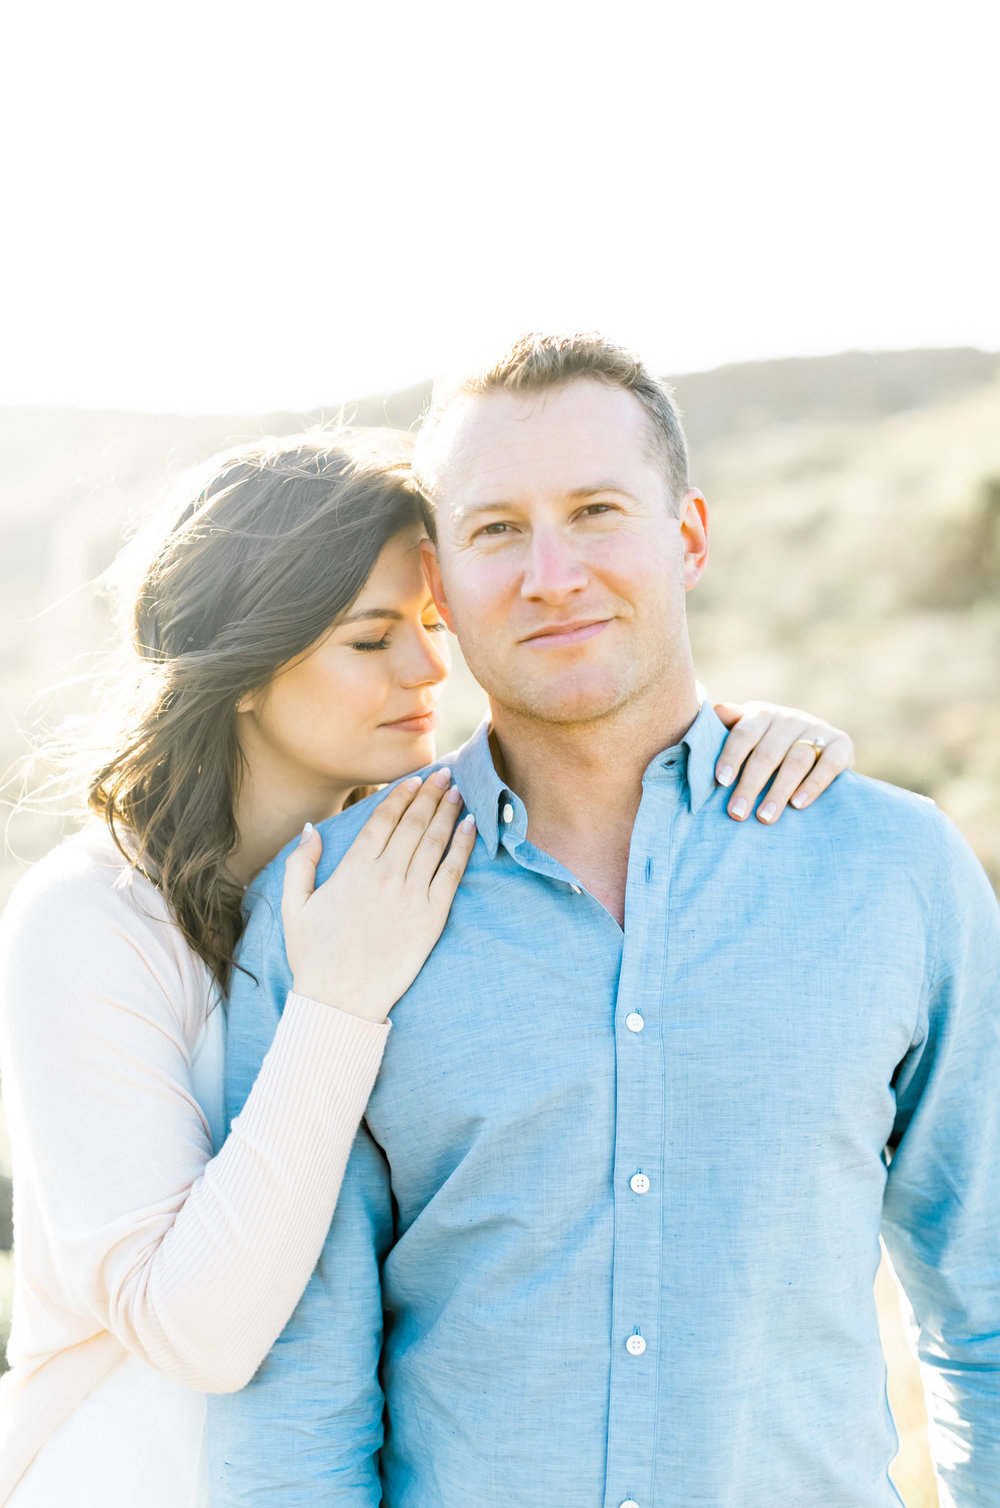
(635, 1345)
(508, 812)
(639, 1183)
(629, 1503)
(576, 890)
(634, 1021)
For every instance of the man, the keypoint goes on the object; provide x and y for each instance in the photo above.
(609, 1235)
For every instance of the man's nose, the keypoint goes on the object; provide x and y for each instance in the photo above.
(554, 570)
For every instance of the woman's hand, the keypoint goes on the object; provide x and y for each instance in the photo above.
(361, 939)
(806, 752)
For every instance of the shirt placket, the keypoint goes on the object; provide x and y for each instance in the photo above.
(637, 1340)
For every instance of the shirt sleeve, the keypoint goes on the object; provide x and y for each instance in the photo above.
(941, 1218)
(307, 1429)
(193, 1261)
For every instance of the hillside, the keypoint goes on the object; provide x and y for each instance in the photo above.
(855, 565)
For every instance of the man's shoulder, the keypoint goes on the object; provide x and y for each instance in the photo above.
(855, 794)
(892, 824)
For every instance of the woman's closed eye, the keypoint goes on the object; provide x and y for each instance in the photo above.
(365, 644)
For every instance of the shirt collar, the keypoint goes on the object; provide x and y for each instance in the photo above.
(491, 802)
(484, 792)
(701, 744)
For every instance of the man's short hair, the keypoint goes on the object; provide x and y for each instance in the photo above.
(536, 362)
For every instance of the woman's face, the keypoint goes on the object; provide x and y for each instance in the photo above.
(358, 707)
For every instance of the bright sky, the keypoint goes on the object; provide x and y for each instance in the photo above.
(246, 206)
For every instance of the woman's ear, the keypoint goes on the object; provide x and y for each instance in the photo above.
(435, 584)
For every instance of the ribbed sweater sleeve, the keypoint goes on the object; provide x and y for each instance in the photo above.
(193, 1261)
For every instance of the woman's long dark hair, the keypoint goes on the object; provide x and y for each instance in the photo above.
(269, 552)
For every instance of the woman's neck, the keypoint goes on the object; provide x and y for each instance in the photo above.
(270, 814)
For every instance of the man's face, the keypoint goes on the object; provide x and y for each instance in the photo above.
(560, 563)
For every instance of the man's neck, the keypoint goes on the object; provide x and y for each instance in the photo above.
(582, 783)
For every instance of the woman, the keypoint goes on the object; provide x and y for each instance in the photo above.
(288, 656)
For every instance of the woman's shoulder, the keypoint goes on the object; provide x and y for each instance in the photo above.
(85, 911)
(84, 873)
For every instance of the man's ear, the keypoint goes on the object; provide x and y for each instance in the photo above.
(694, 533)
(435, 585)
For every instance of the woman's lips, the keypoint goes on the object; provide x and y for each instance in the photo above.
(560, 634)
(421, 722)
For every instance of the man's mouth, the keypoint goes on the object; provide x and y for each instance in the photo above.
(556, 635)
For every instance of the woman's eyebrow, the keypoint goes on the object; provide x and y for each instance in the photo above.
(359, 616)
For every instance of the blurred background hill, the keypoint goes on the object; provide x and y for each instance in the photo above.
(855, 570)
(855, 561)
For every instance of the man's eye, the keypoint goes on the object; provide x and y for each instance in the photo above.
(494, 529)
(594, 508)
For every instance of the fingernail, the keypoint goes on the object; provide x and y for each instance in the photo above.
(801, 799)
(306, 833)
(414, 783)
(468, 824)
(454, 795)
(725, 775)
(767, 812)
(442, 777)
(738, 808)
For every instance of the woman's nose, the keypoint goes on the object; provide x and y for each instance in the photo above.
(429, 661)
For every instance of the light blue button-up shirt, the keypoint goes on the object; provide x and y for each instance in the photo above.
(609, 1232)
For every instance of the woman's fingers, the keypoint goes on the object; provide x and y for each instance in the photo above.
(800, 759)
(822, 765)
(381, 825)
(411, 828)
(452, 866)
(835, 758)
(431, 844)
(387, 900)
(300, 872)
(401, 819)
(776, 744)
(409, 831)
(802, 753)
(748, 728)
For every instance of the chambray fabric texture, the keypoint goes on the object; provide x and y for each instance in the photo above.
(590, 1264)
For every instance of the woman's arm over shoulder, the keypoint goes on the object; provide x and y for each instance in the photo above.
(192, 1261)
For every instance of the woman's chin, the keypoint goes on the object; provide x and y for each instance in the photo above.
(413, 755)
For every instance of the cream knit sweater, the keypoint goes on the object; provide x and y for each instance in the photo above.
(129, 1234)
